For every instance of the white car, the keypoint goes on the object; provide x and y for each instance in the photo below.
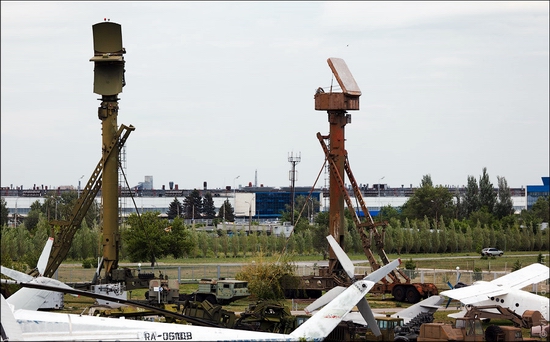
(491, 252)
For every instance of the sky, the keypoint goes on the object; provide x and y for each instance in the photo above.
(223, 92)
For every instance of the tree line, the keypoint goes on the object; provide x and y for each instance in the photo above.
(433, 220)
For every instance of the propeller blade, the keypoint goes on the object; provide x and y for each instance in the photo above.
(449, 301)
(343, 258)
(366, 312)
(43, 260)
(324, 299)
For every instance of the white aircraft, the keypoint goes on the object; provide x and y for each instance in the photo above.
(429, 305)
(28, 298)
(506, 291)
(25, 325)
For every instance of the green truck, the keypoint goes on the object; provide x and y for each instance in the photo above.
(220, 291)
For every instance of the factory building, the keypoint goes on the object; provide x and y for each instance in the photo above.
(249, 202)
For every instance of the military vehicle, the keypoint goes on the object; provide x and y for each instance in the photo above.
(218, 291)
(469, 327)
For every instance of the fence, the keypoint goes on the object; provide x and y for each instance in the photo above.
(184, 273)
(193, 273)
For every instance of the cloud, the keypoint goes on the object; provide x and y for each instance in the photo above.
(398, 14)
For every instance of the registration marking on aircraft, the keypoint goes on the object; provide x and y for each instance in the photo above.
(167, 336)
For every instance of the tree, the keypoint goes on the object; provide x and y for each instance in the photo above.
(36, 205)
(32, 219)
(175, 209)
(487, 196)
(399, 237)
(33, 216)
(388, 212)
(452, 242)
(57, 207)
(319, 233)
(203, 243)
(540, 209)
(408, 237)
(482, 217)
(443, 236)
(224, 241)
(426, 181)
(4, 212)
(208, 207)
(235, 245)
(193, 205)
(180, 242)
(470, 201)
(226, 212)
(504, 206)
(263, 243)
(428, 201)
(146, 239)
(67, 202)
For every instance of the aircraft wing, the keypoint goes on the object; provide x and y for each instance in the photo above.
(516, 280)
(476, 293)
(32, 299)
(429, 305)
(19, 276)
(528, 275)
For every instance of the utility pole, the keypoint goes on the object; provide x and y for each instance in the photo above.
(293, 160)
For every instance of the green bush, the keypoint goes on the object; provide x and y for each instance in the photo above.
(410, 267)
(517, 265)
(410, 264)
(87, 263)
(477, 274)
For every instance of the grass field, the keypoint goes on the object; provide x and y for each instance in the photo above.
(434, 268)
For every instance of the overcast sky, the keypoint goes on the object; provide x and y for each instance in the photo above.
(218, 90)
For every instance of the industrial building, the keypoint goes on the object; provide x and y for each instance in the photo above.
(249, 202)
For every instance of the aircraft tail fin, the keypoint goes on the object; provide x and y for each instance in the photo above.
(11, 331)
(321, 324)
(335, 291)
(41, 265)
(339, 301)
(43, 260)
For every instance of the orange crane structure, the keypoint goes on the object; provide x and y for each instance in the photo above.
(397, 282)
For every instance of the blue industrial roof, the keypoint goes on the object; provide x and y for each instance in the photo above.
(545, 187)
